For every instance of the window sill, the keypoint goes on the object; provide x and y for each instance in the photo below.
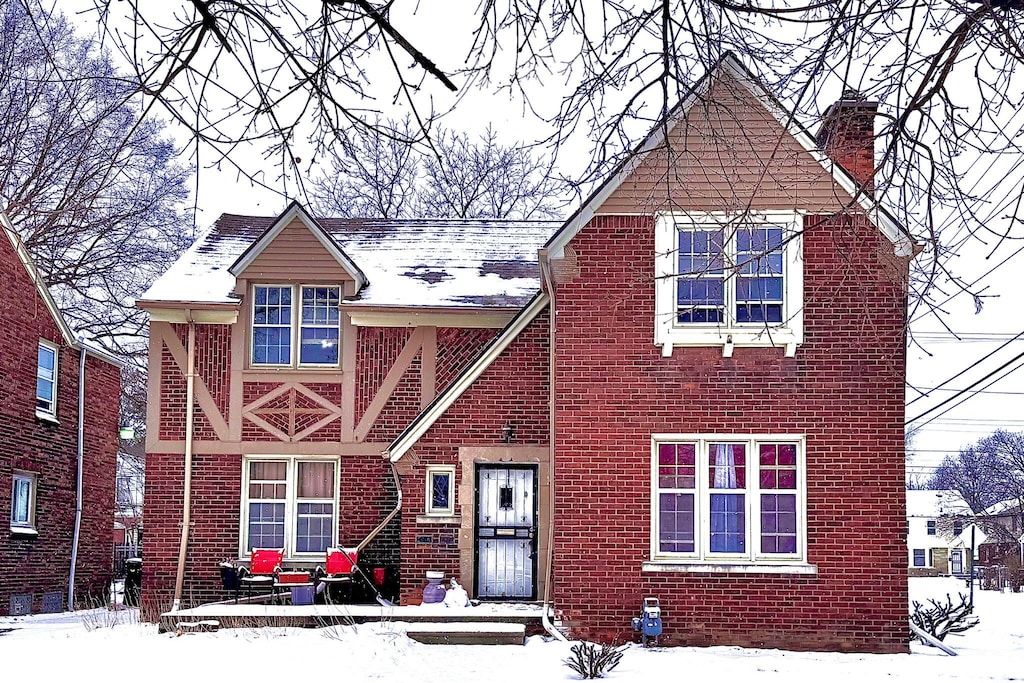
(669, 338)
(727, 568)
(439, 519)
(24, 531)
(47, 417)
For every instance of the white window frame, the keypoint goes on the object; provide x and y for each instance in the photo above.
(295, 326)
(430, 509)
(47, 412)
(931, 527)
(701, 559)
(669, 333)
(27, 525)
(291, 503)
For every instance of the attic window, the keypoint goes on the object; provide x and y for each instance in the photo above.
(278, 326)
(729, 279)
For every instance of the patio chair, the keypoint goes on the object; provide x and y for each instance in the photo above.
(230, 578)
(264, 564)
(337, 575)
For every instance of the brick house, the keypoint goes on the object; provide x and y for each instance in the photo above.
(60, 403)
(692, 390)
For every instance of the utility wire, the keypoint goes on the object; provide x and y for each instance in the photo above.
(952, 398)
(969, 367)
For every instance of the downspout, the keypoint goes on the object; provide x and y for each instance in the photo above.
(78, 476)
(186, 512)
(548, 283)
(391, 515)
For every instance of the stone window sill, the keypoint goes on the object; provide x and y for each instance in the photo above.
(726, 568)
(439, 519)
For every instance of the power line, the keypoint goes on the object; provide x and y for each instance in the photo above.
(964, 391)
(969, 367)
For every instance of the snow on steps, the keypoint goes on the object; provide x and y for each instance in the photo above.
(468, 633)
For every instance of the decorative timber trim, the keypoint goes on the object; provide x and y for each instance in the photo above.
(413, 346)
(204, 398)
(255, 411)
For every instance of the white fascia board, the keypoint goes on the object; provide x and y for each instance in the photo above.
(437, 408)
(295, 210)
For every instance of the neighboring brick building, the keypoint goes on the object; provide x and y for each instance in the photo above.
(712, 415)
(39, 446)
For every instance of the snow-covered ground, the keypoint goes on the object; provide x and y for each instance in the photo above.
(101, 645)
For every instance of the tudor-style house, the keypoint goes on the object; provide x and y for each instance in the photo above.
(692, 390)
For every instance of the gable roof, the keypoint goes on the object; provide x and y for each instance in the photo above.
(730, 66)
(935, 503)
(451, 264)
(295, 211)
(70, 338)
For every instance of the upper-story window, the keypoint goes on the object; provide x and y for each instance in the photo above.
(46, 380)
(304, 317)
(729, 279)
(931, 527)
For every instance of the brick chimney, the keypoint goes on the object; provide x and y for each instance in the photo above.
(847, 136)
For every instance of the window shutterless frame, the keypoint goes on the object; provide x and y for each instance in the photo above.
(295, 326)
(23, 501)
(440, 493)
(309, 517)
(711, 504)
(46, 380)
(729, 279)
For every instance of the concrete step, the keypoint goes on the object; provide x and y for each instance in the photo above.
(468, 633)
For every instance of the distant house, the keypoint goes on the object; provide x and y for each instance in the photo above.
(690, 390)
(59, 408)
(935, 522)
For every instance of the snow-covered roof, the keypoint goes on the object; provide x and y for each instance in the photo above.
(936, 503)
(1008, 506)
(420, 263)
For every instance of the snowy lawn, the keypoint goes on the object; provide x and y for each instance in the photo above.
(91, 646)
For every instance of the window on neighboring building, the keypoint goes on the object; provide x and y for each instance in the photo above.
(919, 557)
(440, 490)
(931, 527)
(46, 380)
(279, 327)
(727, 499)
(729, 279)
(291, 503)
(23, 501)
(958, 527)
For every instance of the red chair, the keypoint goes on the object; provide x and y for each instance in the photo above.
(264, 564)
(341, 565)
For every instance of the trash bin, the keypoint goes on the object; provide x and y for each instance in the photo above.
(132, 581)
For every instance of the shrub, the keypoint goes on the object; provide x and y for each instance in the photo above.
(590, 660)
(941, 619)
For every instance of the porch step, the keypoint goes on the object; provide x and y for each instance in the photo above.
(468, 633)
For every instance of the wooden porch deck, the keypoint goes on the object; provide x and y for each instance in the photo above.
(449, 624)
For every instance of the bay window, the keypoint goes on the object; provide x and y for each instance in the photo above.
(728, 499)
(296, 325)
(728, 279)
(290, 503)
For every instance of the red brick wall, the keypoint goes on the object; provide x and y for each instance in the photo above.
(513, 389)
(40, 564)
(367, 491)
(844, 390)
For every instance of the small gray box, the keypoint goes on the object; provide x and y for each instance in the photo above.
(21, 605)
(53, 603)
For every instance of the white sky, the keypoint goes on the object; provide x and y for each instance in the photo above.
(49, 648)
(1001, 404)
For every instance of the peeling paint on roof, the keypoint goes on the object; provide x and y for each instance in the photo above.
(423, 263)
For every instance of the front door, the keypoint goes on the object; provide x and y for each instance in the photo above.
(957, 562)
(506, 531)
